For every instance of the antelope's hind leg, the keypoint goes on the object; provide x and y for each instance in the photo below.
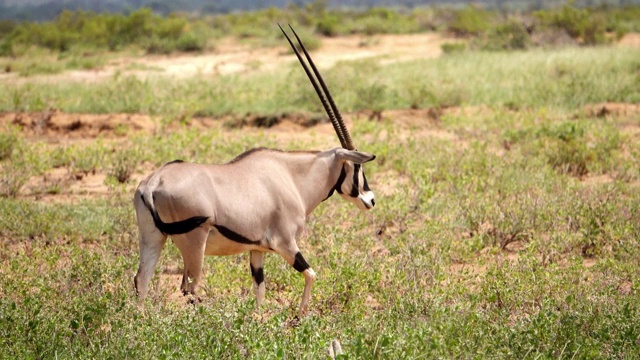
(151, 243)
(256, 263)
(191, 246)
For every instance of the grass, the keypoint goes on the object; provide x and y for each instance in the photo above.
(36, 61)
(490, 242)
(567, 78)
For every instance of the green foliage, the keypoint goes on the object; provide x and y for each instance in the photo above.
(461, 236)
(510, 35)
(585, 25)
(471, 21)
(574, 147)
(112, 31)
(453, 48)
(191, 42)
(567, 79)
(174, 32)
(19, 165)
(123, 165)
(382, 21)
(503, 209)
(328, 24)
(6, 47)
(621, 20)
(9, 142)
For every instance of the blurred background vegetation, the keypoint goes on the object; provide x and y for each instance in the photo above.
(188, 26)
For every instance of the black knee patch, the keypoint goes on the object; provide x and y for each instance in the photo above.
(258, 274)
(300, 263)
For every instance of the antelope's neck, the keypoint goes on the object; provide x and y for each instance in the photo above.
(317, 182)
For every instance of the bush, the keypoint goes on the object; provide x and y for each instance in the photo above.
(328, 24)
(8, 142)
(6, 47)
(453, 48)
(123, 166)
(470, 21)
(154, 33)
(191, 42)
(511, 35)
(584, 25)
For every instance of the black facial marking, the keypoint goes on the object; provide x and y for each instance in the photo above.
(343, 175)
(338, 185)
(300, 263)
(365, 186)
(234, 236)
(354, 187)
(258, 274)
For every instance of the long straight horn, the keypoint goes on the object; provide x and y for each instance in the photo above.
(328, 103)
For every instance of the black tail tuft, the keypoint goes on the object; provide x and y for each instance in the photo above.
(178, 227)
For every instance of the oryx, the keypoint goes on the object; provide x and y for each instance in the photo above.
(258, 202)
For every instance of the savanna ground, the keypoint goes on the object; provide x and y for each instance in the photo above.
(506, 226)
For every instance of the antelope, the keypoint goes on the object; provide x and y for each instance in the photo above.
(257, 202)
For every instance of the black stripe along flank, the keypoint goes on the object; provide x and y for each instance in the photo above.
(234, 236)
(174, 228)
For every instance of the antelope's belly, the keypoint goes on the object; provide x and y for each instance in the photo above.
(217, 244)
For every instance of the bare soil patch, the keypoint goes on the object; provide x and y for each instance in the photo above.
(607, 109)
(630, 40)
(56, 125)
(233, 57)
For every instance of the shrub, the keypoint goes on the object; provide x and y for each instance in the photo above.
(123, 166)
(156, 45)
(584, 25)
(328, 24)
(8, 142)
(191, 42)
(13, 177)
(6, 47)
(6, 27)
(154, 33)
(452, 48)
(470, 21)
(511, 35)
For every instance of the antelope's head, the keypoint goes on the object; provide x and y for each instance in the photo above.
(352, 183)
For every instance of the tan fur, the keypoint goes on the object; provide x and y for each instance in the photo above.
(263, 195)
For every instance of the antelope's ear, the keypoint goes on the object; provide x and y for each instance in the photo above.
(358, 157)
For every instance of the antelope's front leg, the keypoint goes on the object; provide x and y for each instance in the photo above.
(256, 263)
(294, 257)
(302, 266)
